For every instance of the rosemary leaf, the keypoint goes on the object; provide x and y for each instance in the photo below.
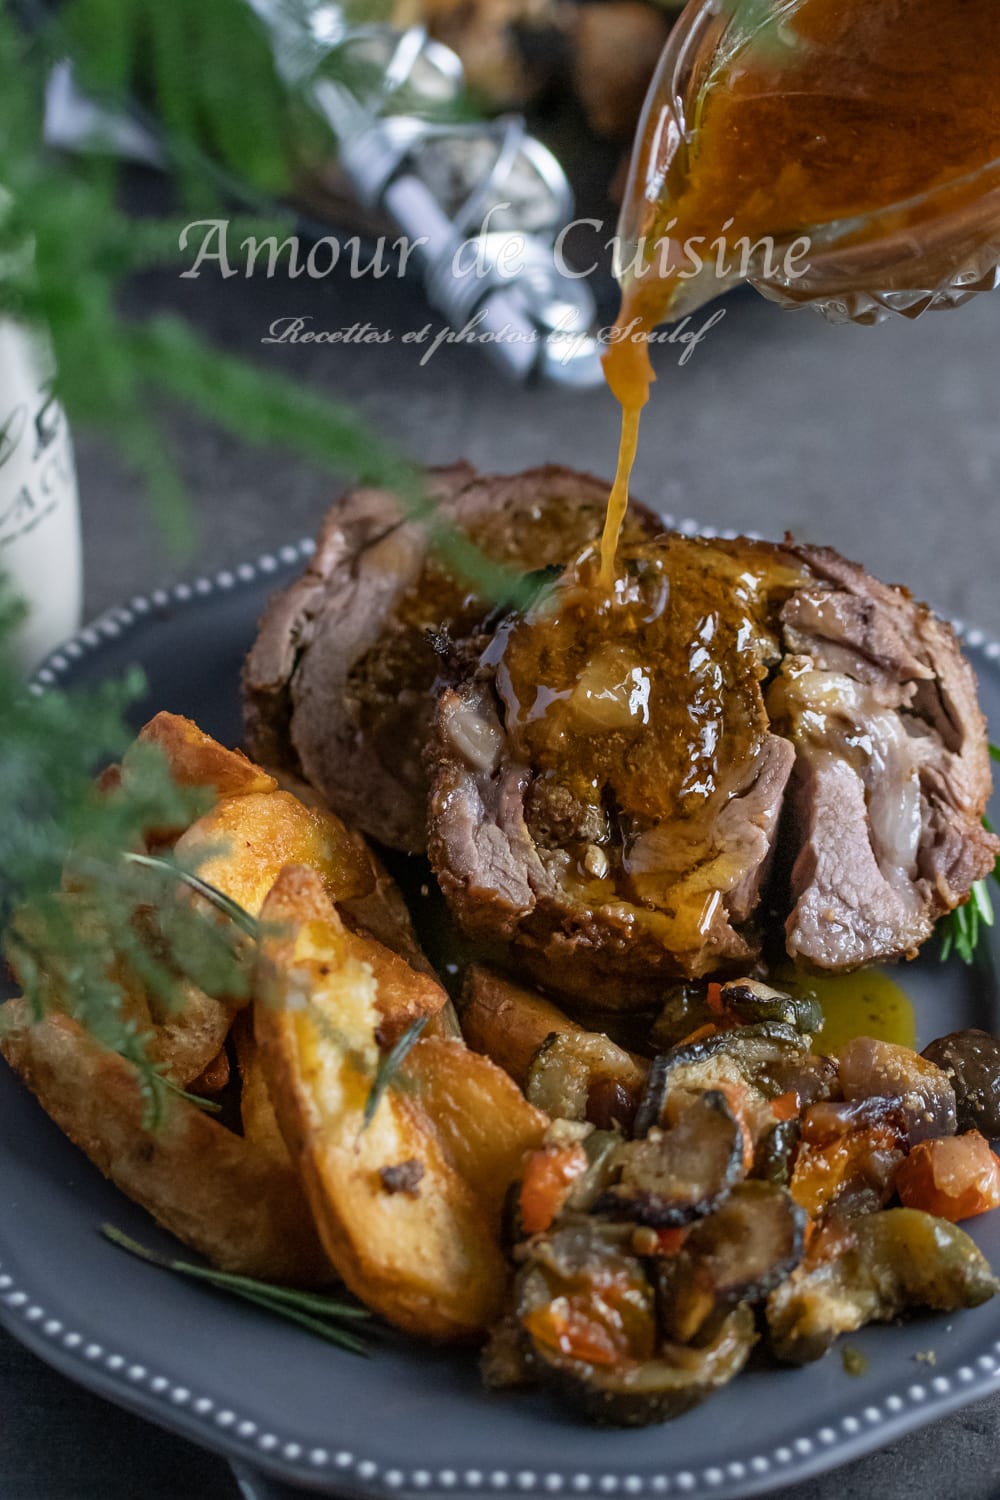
(209, 1106)
(223, 903)
(388, 1067)
(342, 1337)
(316, 1313)
(980, 897)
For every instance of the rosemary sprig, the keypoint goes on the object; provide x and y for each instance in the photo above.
(318, 1314)
(962, 929)
(210, 1106)
(388, 1067)
(222, 903)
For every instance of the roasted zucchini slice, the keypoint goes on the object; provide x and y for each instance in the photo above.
(584, 1075)
(673, 1175)
(870, 1270)
(588, 1313)
(745, 1056)
(754, 1003)
(739, 1253)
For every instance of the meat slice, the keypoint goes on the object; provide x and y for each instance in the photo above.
(892, 767)
(614, 777)
(339, 686)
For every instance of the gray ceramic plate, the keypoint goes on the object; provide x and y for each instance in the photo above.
(412, 1420)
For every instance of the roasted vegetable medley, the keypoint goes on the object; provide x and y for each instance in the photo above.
(741, 1186)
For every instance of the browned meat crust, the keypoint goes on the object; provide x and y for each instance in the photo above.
(339, 686)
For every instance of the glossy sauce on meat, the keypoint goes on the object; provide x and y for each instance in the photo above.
(831, 110)
(639, 712)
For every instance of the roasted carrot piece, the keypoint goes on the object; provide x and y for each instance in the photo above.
(954, 1177)
(699, 1034)
(548, 1179)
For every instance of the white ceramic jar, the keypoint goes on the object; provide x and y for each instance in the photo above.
(39, 511)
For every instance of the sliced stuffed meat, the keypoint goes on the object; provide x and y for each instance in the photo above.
(615, 775)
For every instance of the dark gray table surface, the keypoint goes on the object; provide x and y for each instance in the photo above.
(884, 443)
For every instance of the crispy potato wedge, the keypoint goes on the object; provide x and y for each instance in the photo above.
(382, 911)
(258, 835)
(249, 835)
(304, 832)
(402, 994)
(183, 1041)
(419, 1244)
(187, 1041)
(506, 1021)
(213, 1079)
(217, 1192)
(195, 759)
(260, 1123)
(242, 843)
(480, 1116)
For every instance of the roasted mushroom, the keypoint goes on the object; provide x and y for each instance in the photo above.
(971, 1059)
(869, 1270)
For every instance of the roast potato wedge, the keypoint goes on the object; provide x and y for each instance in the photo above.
(221, 1194)
(255, 828)
(242, 843)
(402, 994)
(183, 1041)
(508, 1022)
(259, 1121)
(407, 1206)
(196, 760)
(252, 830)
(187, 1041)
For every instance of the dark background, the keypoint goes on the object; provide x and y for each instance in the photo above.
(884, 443)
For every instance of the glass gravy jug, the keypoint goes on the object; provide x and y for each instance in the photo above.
(862, 79)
